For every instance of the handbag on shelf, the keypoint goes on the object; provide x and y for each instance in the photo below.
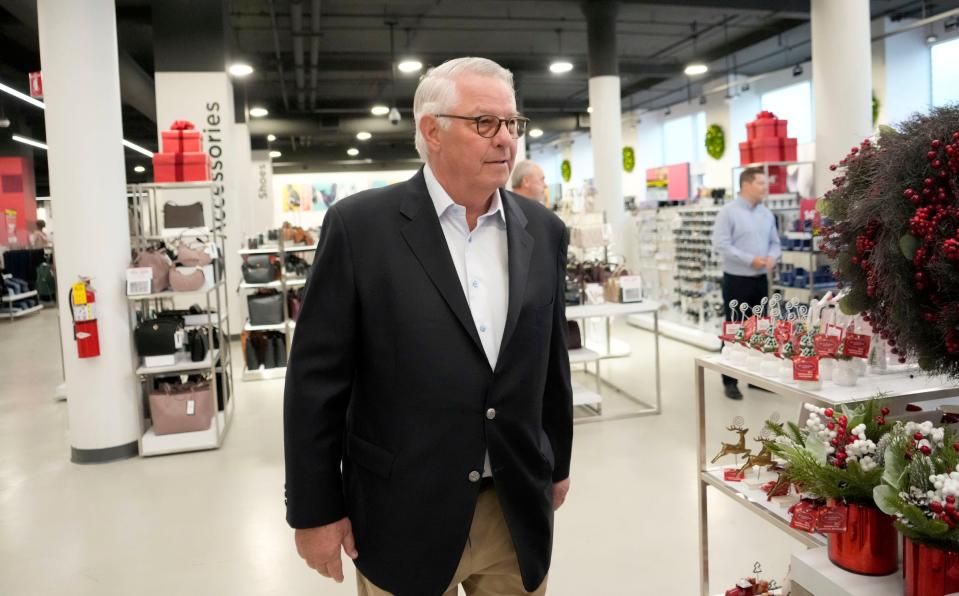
(181, 408)
(574, 339)
(161, 266)
(157, 337)
(192, 256)
(260, 269)
(265, 309)
(182, 281)
(197, 345)
(183, 216)
(279, 349)
(294, 303)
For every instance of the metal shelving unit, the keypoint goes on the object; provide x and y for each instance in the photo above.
(283, 284)
(8, 301)
(146, 229)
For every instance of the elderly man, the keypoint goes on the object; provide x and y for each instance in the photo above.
(428, 409)
(528, 180)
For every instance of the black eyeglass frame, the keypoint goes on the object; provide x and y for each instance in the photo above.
(520, 120)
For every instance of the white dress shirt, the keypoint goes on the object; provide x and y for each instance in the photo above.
(479, 257)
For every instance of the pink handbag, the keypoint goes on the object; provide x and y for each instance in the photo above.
(182, 408)
(160, 265)
(186, 282)
(192, 257)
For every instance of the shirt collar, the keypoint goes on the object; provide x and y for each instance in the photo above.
(442, 201)
(746, 203)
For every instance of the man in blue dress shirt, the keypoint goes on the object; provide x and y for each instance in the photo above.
(746, 237)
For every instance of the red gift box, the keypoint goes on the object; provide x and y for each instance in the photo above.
(768, 150)
(181, 138)
(181, 167)
(745, 153)
(766, 126)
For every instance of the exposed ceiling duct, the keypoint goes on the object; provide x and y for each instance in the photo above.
(296, 24)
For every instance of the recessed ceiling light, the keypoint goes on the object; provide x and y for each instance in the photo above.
(274, 154)
(364, 136)
(536, 133)
(270, 138)
(696, 68)
(409, 66)
(139, 169)
(380, 110)
(352, 151)
(932, 38)
(240, 70)
(560, 66)
(258, 112)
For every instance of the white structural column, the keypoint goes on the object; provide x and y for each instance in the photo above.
(842, 81)
(78, 54)
(606, 119)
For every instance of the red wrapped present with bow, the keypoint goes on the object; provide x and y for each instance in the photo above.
(181, 167)
(182, 138)
(766, 126)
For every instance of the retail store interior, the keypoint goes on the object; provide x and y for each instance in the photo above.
(166, 169)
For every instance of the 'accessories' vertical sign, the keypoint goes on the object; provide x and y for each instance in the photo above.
(214, 144)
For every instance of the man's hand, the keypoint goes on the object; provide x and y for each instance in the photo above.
(760, 262)
(559, 493)
(320, 547)
(770, 263)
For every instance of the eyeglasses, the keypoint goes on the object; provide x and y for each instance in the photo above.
(488, 126)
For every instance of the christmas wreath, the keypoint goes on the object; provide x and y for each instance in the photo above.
(629, 159)
(566, 169)
(715, 141)
(894, 239)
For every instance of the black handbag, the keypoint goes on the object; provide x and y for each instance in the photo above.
(269, 351)
(183, 216)
(157, 337)
(574, 339)
(279, 349)
(197, 344)
(265, 309)
(260, 269)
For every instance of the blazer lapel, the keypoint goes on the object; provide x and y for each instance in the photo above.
(519, 246)
(425, 238)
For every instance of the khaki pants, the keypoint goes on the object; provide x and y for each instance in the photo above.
(488, 567)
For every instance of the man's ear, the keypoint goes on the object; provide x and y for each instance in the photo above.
(429, 128)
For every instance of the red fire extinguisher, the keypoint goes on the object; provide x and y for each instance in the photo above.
(83, 308)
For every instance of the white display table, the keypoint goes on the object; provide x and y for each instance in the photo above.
(898, 389)
(594, 352)
(814, 572)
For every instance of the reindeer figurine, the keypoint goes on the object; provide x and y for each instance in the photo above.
(734, 448)
(762, 459)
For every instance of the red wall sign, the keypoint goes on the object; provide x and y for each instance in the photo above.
(36, 84)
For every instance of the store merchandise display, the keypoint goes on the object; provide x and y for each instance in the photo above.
(275, 269)
(182, 158)
(16, 297)
(185, 368)
(894, 240)
(698, 277)
(767, 141)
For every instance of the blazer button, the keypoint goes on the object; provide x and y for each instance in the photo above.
(474, 476)
(491, 414)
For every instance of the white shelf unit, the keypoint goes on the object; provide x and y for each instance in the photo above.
(816, 574)
(146, 230)
(898, 389)
(6, 302)
(697, 294)
(283, 284)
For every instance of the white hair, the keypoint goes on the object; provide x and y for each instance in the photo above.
(522, 170)
(436, 92)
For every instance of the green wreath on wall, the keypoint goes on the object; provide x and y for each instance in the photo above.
(629, 159)
(567, 170)
(715, 141)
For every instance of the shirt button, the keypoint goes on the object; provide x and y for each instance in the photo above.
(474, 476)
(475, 284)
(482, 328)
(491, 414)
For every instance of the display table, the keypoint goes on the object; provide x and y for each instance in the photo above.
(813, 572)
(898, 389)
(594, 352)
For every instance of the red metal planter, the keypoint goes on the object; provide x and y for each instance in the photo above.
(929, 571)
(869, 546)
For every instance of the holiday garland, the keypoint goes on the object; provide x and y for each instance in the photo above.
(629, 159)
(895, 237)
(566, 169)
(715, 141)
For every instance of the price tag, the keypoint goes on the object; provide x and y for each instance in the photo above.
(806, 368)
(857, 345)
(733, 475)
(833, 518)
(804, 516)
(826, 345)
(729, 331)
(190, 407)
(763, 324)
(784, 330)
(79, 293)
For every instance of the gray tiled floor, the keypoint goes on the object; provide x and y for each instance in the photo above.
(211, 523)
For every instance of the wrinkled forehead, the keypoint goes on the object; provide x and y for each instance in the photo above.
(477, 94)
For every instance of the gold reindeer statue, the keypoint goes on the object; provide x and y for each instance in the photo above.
(762, 459)
(734, 448)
